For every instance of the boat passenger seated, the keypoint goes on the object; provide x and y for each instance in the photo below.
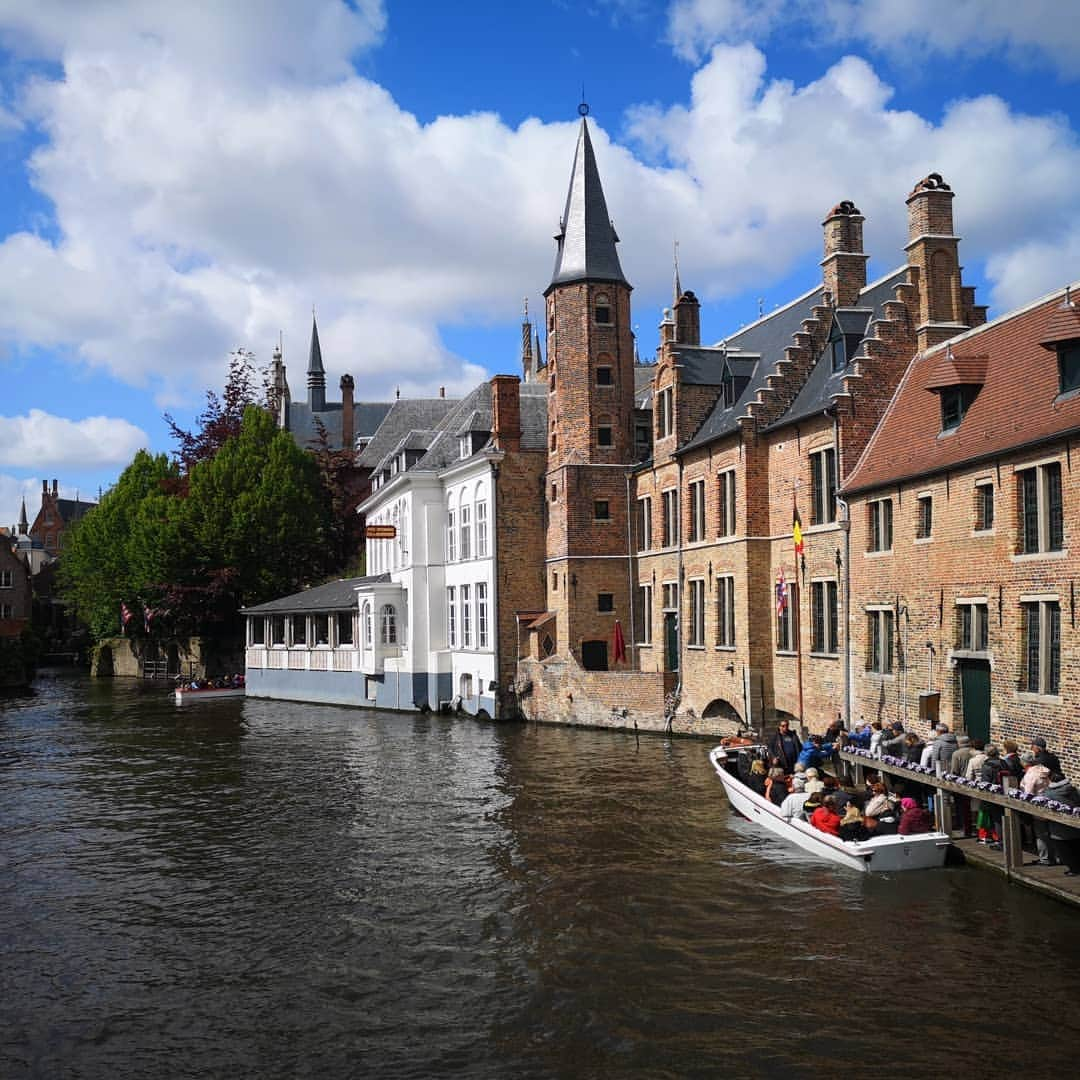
(851, 824)
(882, 809)
(914, 819)
(813, 802)
(825, 818)
(776, 790)
(792, 806)
(756, 779)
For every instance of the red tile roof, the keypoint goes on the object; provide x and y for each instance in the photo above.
(1018, 403)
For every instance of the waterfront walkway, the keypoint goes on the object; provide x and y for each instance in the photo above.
(1012, 859)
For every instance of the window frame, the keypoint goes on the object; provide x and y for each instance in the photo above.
(1041, 530)
(644, 523)
(670, 517)
(696, 636)
(924, 517)
(879, 525)
(824, 617)
(787, 624)
(695, 526)
(823, 486)
(466, 616)
(881, 640)
(481, 615)
(605, 603)
(725, 611)
(451, 616)
(645, 596)
(726, 506)
(1041, 643)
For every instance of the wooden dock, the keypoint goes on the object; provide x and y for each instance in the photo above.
(1013, 861)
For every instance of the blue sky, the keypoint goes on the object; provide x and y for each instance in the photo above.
(181, 180)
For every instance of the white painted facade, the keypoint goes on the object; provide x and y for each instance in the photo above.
(441, 651)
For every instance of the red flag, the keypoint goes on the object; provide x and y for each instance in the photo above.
(125, 617)
(620, 644)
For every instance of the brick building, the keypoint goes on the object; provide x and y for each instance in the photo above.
(15, 594)
(963, 548)
(54, 518)
(691, 553)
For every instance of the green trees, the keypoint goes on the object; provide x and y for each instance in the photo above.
(244, 518)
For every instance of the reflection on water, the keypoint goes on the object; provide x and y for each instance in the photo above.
(261, 889)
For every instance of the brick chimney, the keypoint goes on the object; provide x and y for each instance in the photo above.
(843, 268)
(506, 412)
(933, 255)
(688, 319)
(348, 414)
(667, 327)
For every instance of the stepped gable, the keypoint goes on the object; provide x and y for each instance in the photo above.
(401, 417)
(1018, 403)
(753, 354)
(824, 384)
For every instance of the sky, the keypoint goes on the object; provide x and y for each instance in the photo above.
(181, 180)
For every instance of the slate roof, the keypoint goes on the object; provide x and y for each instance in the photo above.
(401, 417)
(822, 383)
(766, 338)
(72, 509)
(587, 239)
(334, 596)
(1019, 403)
(367, 416)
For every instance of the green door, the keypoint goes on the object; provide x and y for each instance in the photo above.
(671, 640)
(975, 695)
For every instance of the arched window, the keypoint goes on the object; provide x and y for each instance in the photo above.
(389, 625)
(367, 626)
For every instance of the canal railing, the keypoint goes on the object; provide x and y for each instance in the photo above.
(857, 764)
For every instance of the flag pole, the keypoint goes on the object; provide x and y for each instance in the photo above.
(797, 542)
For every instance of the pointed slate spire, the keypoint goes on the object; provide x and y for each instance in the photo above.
(528, 370)
(678, 283)
(24, 525)
(586, 239)
(316, 376)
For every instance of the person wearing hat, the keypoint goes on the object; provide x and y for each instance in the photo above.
(1044, 756)
(814, 785)
(851, 824)
(913, 818)
(958, 764)
(892, 744)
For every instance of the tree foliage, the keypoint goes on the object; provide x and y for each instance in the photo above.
(242, 517)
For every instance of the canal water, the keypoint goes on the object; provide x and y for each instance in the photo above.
(260, 889)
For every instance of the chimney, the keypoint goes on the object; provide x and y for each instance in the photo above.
(506, 412)
(843, 269)
(933, 255)
(442, 391)
(667, 327)
(688, 320)
(348, 413)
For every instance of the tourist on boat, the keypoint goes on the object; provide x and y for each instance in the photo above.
(913, 818)
(815, 751)
(792, 806)
(784, 746)
(879, 804)
(825, 818)
(943, 747)
(1044, 756)
(852, 826)
(1065, 839)
(755, 780)
(776, 790)
(814, 784)
(814, 800)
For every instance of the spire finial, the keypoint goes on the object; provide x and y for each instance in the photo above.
(583, 108)
(526, 303)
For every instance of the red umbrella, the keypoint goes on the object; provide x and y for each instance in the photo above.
(620, 644)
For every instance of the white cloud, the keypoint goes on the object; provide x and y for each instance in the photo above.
(1033, 32)
(200, 206)
(12, 493)
(767, 158)
(40, 440)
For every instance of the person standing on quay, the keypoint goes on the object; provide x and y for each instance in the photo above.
(1065, 839)
(1044, 756)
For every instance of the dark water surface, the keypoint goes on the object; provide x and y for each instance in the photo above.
(260, 889)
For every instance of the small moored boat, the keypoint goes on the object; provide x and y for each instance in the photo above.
(185, 695)
(883, 854)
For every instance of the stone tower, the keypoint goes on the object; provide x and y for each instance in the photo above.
(590, 369)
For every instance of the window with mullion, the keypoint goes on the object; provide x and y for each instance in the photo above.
(725, 611)
(823, 486)
(696, 525)
(726, 503)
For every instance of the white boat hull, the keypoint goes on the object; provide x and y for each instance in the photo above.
(885, 854)
(185, 697)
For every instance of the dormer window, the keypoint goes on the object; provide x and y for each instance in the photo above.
(955, 402)
(603, 310)
(1069, 366)
(842, 347)
(465, 446)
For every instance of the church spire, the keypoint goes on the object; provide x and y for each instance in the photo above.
(527, 366)
(316, 376)
(24, 525)
(586, 238)
(678, 283)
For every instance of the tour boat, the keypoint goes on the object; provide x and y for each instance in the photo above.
(185, 695)
(883, 854)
